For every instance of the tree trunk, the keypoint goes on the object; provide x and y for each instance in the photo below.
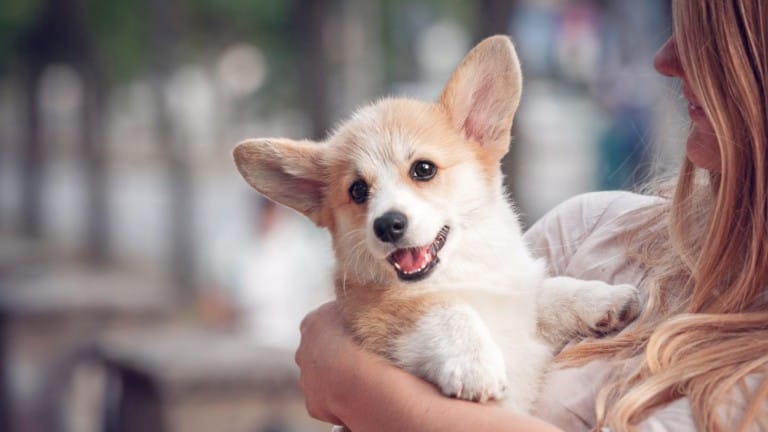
(164, 35)
(308, 28)
(94, 157)
(32, 158)
(94, 145)
(494, 16)
(61, 34)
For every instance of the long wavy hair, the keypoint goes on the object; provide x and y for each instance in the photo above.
(705, 326)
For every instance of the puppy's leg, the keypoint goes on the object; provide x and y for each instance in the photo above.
(569, 307)
(451, 347)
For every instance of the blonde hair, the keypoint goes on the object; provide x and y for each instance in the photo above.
(705, 326)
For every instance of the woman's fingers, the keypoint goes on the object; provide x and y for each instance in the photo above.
(322, 334)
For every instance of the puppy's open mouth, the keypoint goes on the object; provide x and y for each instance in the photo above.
(415, 263)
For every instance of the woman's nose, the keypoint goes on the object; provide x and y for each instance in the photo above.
(667, 61)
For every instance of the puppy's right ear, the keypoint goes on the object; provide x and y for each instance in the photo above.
(285, 171)
(483, 93)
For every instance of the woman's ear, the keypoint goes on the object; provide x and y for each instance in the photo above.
(285, 171)
(483, 94)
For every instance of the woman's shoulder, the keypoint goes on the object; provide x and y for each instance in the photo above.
(594, 206)
(586, 230)
(584, 213)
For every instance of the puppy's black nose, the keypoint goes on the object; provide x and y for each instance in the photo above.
(390, 227)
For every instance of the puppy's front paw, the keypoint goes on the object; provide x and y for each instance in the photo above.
(614, 307)
(452, 348)
(478, 377)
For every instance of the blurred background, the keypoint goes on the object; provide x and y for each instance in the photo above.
(143, 286)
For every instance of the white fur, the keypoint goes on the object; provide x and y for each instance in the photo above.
(424, 221)
(486, 265)
(452, 348)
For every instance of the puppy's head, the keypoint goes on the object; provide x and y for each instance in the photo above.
(401, 182)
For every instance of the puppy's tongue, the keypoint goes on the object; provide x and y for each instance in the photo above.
(412, 259)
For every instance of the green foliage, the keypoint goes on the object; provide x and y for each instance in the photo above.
(119, 29)
(266, 23)
(253, 14)
(15, 17)
(215, 24)
(398, 36)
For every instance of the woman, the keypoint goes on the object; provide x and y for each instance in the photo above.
(697, 358)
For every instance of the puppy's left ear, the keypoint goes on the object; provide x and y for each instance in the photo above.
(483, 94)
(286, 171)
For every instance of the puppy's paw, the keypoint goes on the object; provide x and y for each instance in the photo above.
(613, 307)
(478, 377)
(452, 348)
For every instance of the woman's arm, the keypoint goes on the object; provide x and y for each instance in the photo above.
(343, 384)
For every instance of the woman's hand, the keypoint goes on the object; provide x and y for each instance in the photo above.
(346, 385)
(324, 357)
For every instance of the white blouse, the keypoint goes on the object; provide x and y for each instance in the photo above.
(581, 238)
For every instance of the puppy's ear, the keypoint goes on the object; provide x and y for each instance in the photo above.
(285, 171)
(483, 94)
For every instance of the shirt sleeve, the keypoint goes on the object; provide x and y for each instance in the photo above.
(558, 234)
(674, 417)
(678, 416)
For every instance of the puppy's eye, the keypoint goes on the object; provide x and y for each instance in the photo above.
(359, 191)
(423, 170)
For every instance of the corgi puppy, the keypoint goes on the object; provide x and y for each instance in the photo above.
(431, 269)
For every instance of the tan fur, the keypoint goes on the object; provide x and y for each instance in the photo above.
(377, 318)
